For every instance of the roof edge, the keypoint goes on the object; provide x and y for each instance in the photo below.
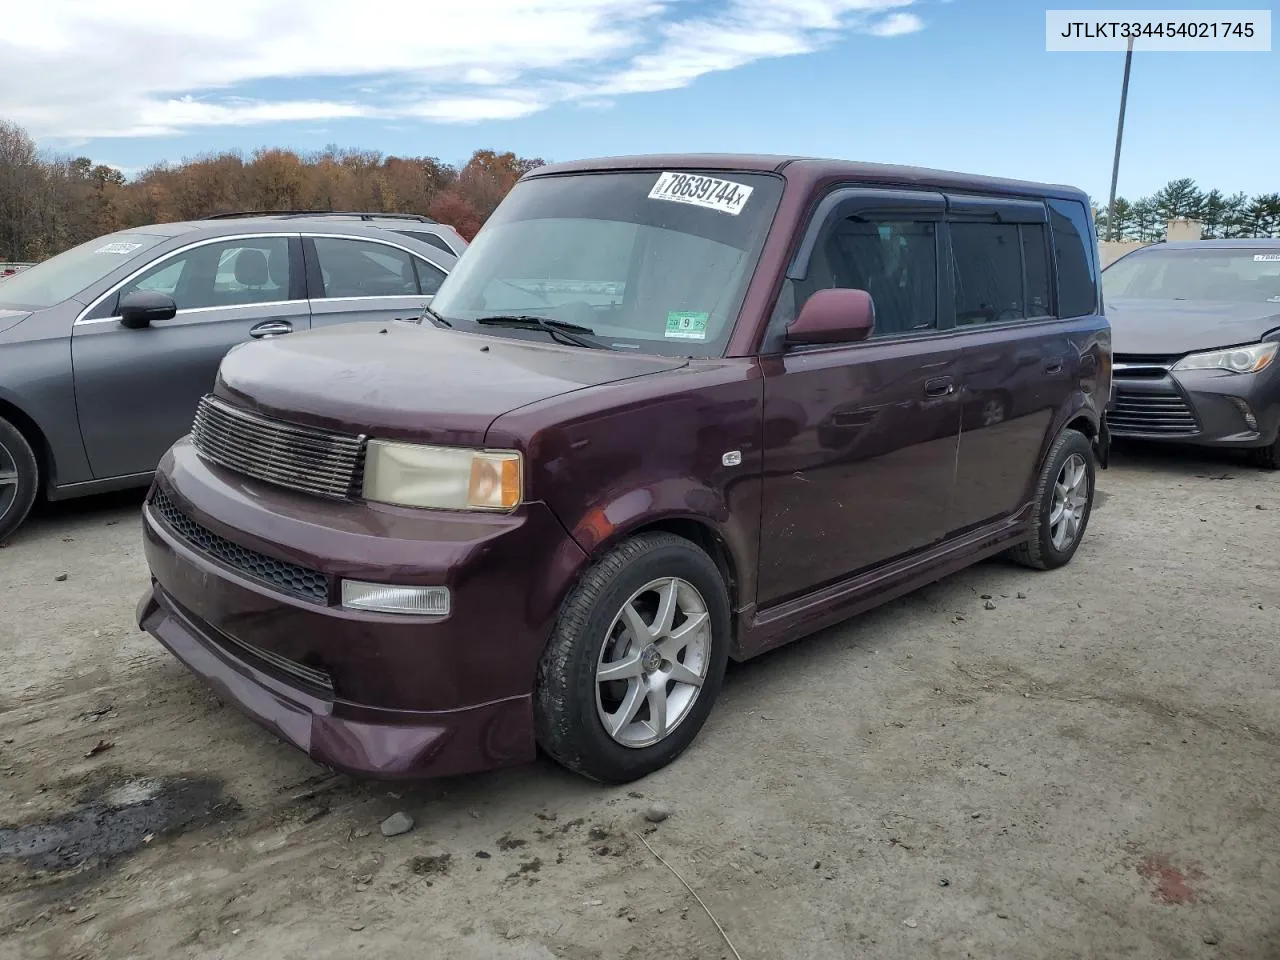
(816, 169)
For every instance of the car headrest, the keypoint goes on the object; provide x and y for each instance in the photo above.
(251, 268)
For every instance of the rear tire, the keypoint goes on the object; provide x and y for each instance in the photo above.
(621, 690)
(1063, 503)
(19, 478)
(1268, 458)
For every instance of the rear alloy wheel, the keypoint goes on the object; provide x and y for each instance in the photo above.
(636, 660)
(1063, 502)
(19, 478)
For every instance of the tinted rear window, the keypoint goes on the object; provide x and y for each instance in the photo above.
(1000, 272)
(431, 238)
(1074, 244)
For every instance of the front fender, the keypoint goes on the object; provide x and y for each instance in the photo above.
(681, 500)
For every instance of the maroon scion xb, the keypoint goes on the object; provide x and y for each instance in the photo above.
(666, 411)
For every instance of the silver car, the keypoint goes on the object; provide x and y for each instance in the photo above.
(106, 349)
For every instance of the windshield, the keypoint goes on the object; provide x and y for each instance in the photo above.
(1237, 274)
(654, 262)
(62, 277)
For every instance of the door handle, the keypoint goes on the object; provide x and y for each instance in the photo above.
(1053, 366)
(271, 328)
(939, 387)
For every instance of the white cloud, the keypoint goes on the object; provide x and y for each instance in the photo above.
(116, 68)
(895, 25)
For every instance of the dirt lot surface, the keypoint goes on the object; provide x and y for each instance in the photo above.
(1090, 769)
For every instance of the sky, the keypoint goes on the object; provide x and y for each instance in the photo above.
(955, 84)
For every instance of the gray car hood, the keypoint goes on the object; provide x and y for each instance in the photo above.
(11, 318)
(1171, 327)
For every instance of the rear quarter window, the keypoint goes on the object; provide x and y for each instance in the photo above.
(1073, 243)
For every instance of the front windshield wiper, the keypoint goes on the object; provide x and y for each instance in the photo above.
(558, 329)
(428, 313)
(436, 318)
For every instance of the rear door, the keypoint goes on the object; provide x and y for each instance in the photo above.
(136, 390)
(860, 439)
(1017, 366)
(361, 278)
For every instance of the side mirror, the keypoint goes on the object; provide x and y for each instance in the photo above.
(833, 315)
(141, 308)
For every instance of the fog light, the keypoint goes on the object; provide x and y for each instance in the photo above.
(390, 598)
(1250, 420)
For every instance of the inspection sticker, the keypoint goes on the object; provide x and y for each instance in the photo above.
(687, 326)
(1267, 257)
(118, 247)
(710, 192)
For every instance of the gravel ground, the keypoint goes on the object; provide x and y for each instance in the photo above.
(1090, 769)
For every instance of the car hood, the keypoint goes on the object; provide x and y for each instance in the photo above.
(1170, 327)
(411, 382)
(11, 318)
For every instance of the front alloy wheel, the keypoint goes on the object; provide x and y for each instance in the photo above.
(658, 650)
(19, 478)
(636, 659)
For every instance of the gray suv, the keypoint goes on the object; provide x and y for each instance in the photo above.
(106, 349)
(440, 235)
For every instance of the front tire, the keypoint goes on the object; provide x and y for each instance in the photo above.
(1063, 503)
(1268, 458)
(636, 660)
(19, 478)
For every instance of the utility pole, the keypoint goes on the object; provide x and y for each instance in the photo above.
(1115, 165)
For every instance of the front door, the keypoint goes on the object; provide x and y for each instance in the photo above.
(137, 390)
(353, 279)
(860, 439)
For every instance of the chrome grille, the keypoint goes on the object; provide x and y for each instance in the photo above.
(1146, 366)
(1163, 414)
(292, 578)
(285, 454)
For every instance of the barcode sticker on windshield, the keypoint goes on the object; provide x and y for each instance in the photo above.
(1267, 257)
(118, 247)
(710, 192)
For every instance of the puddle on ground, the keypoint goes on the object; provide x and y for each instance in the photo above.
(116, 820)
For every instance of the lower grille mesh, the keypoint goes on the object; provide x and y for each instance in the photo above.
(288, 577)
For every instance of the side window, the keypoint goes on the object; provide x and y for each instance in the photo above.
(227, 274)
(1001, 272)
(896, 261)
(164, 280)
(431, 238)
(429, 276)
(1035, 267)
(362, 268)
(1072, 241)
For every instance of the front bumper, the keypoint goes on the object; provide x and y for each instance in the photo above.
(1206, 408)
(378, 695)
(359, 740)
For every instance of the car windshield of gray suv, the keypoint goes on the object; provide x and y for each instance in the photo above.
(1239, 275)
(62, 277)
(656, 262)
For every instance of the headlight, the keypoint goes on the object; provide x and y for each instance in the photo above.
(1251, 359)
(446, 478)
